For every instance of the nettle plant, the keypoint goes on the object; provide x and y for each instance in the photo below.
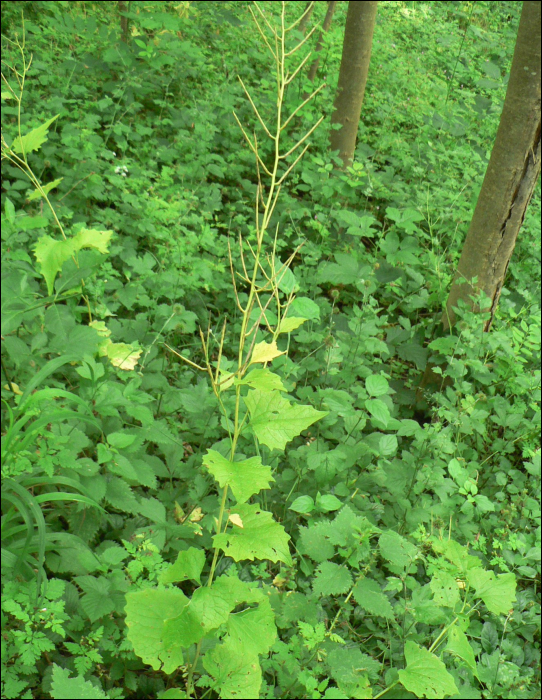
(164, 624)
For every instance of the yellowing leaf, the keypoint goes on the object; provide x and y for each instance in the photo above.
(122, 355)
(265, 352)
(101, 328)
(196, 515)
(13, 387)
(179, 513)
(263, 379)
(225, 380)
(289, 324)
(236, 520)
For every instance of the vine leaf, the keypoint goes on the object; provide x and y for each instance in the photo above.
(290, 323)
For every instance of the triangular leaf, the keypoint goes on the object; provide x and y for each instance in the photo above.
(260, 538)
(45, 189)
(265, 352)
(497, 592)
(458, 644)
(188, 566)
(145, 614)
(425, 675)
(236, 674)
(262, 379)
(275, 421)
(290, 323)
(244, 478)
(34, 139)
(208, 609)
(254, 630)
(51, 254)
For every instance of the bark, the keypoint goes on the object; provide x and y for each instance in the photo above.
(123, 7)
(332, 4)
(509, 181)
(356, 55)
(306, 17)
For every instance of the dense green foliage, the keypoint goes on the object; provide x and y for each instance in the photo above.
(376, 538)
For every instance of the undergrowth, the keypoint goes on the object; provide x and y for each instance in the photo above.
(218, 476)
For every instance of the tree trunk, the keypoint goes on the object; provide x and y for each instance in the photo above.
(509, 181)
(123, 7)
(332, 4)
(508, 185)
(358, 40)
(306, 17)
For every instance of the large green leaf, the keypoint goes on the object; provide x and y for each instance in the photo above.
(331, 579)
(396, 549)
(254, 630)
(34, 139)
(378, 409)
(497, 592)
(262, 379)
(425, 675)
(275, 420)
(145, 614)
(51, 254)
(458, 644)
(236, 673)
(209, 608)
(377, 385)
(259, 537)
(189, 565)
(64, 687)
(244, 478)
